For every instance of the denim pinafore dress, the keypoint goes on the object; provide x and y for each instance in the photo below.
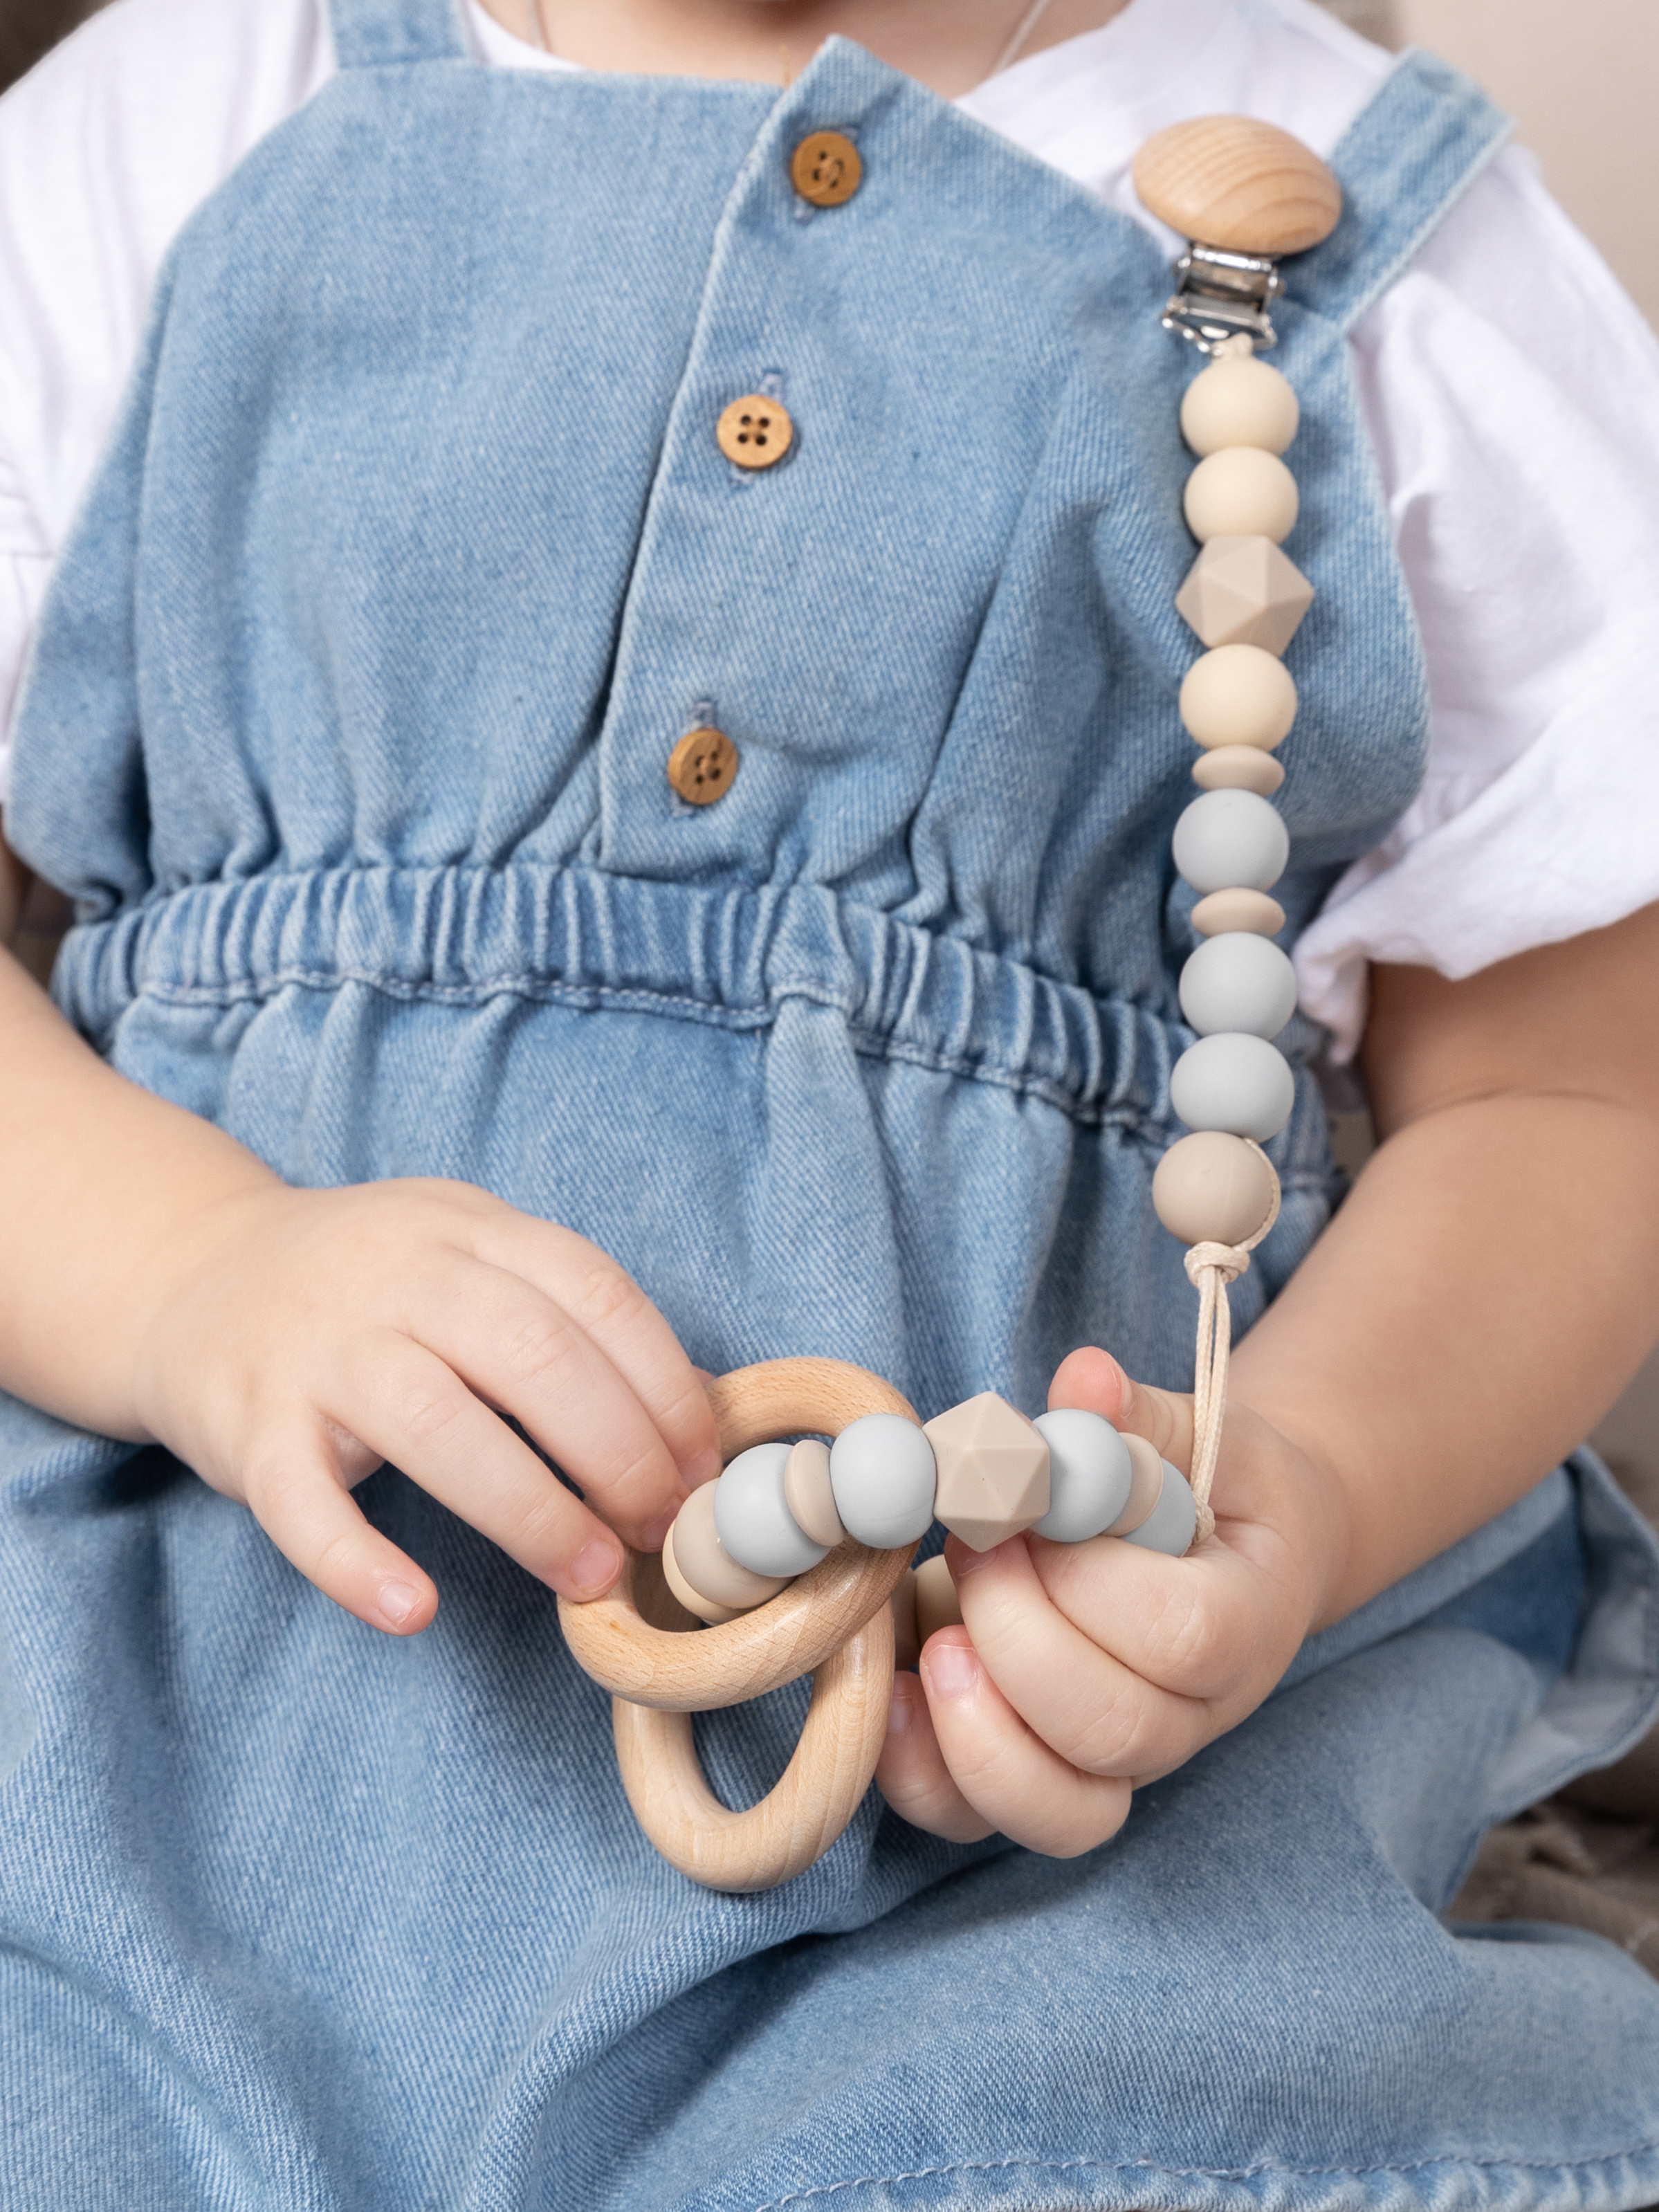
(413, 557)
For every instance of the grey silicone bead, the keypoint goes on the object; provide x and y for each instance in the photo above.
(753, 1522)
(882, 1473)
(1090, 1475)
(1233, 1082)
(1226, 839)
(1169, 1526)
(1239, 982)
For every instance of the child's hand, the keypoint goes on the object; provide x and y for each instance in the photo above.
(1083, 1669)
(304, 1337)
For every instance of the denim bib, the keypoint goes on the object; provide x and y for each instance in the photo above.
(413, 557)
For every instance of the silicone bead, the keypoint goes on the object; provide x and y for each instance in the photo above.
(808, 1494)
(703, 1609)
(1239, 694)
(938, 1605)
(1239, 403)
(882, 1472)
(1241, 492)
(1238, 768)
(1169, 1526)
(1238, 982)
(1226, 838)
(1212, 1189)
(706, 1566)
(752, 1517)
(1236, 1082)
(1090, 1475)
(1237, 909)
(1146, 1484)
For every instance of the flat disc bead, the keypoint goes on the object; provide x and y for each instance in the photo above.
(1241, 492)
(1239, 694)
(1238, 909)
(1212, 1189)
(705, 1564)
(883, 1476)
(1090, 1475)
(1230, 837)
(1239, 982)
(808, 1492)
(1233, 1082)
(1169, 1526)
(1239, 403)
(938, 1605)
(752, 1517)
(1238, 768)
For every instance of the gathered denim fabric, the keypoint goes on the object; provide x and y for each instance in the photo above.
(412, 557)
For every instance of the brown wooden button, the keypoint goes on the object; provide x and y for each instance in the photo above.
(826, 168)
(755, 432)
(1245, 186)
(702, 766)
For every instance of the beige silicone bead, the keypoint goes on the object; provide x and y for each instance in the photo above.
(1146, 1489)
(1241, 492)
(1238, 768)
(1244, 590)
(936, 1603)
(1238, 695)
(807, 1493)
(1212, 1187)
(1240, 402)
(907, 1642)
(694, 1600)
(1223, 912)
(704, 1563)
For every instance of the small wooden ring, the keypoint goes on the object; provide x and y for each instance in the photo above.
(834, 1622)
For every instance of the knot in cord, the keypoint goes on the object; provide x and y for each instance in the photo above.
(1230, 1261)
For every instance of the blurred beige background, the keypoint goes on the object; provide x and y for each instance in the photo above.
(1580, 76)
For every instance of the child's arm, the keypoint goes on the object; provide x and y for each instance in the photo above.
(1487, 1290)
(161, 1282)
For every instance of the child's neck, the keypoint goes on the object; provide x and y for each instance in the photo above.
(949, 45)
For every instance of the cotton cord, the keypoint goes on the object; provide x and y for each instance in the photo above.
(1210, 1268)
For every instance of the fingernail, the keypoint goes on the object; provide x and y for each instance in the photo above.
(965, 1562)
(652, 1533)
(705, 1468)
(595, 1567)
(397, 1601)
(952, 1669)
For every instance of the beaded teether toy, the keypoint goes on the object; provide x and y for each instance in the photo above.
(795, 1559)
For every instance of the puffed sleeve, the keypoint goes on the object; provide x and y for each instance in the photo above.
(1512, 392)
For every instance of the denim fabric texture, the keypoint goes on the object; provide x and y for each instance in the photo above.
(412, 557)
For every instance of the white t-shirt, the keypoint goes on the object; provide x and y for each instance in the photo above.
(1510, 388)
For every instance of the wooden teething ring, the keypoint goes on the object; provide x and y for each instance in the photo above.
(834, 1622)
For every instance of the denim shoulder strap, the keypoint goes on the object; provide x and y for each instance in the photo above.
(1404, 162)
(381, 33)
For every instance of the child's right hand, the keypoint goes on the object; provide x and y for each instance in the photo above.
(300, 1337)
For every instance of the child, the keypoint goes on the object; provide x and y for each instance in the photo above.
(453, 1064)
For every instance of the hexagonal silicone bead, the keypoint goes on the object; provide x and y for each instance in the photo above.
(1243, 591)
(992, 1470)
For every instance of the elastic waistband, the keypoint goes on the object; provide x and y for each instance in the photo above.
(582, 938)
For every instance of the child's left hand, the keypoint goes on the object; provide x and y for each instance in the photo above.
(1083, 1669)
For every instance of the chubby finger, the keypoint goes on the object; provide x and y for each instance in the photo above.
(1095, 1708)
(412, 1407)
(1007, 1773)
(911, 1773)
(603, 1299)
(518, 1350)
(296, 1490)
(1091, 1379)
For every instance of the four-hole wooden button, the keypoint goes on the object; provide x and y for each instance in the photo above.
(755, 432)
(702, 766)
(826, 168)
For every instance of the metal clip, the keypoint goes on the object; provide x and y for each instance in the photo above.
(1223, 297)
